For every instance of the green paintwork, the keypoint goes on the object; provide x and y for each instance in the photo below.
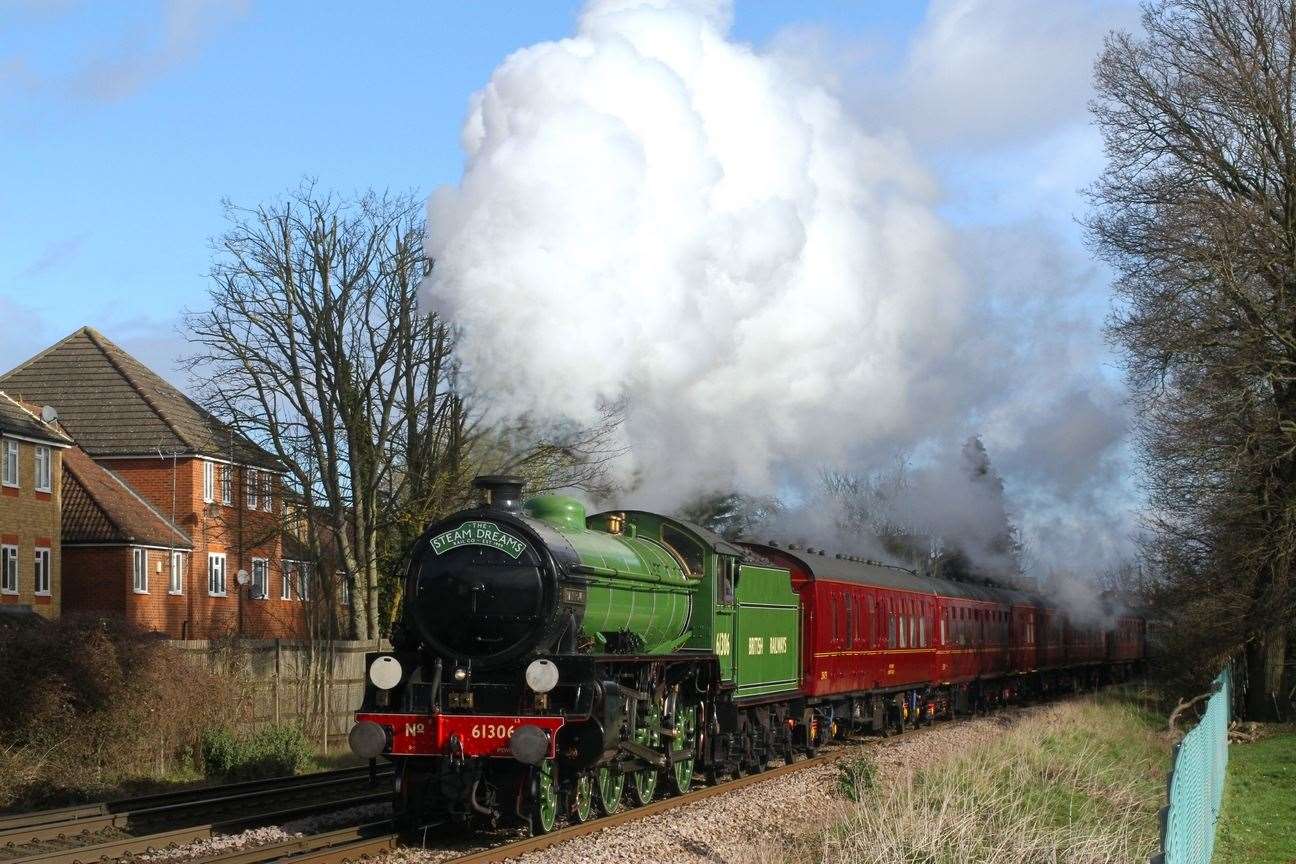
(637, 585)
(634, 585)
(766, 644)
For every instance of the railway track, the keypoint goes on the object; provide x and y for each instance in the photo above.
(363, 848)
(129, 826)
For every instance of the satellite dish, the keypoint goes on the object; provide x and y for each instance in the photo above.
(242, 577)
(48, 414)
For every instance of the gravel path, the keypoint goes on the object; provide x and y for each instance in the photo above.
(753, 824)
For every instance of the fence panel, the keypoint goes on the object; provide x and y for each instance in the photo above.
(1196, 783)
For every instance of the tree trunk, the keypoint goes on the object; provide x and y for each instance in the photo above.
(1265, 658)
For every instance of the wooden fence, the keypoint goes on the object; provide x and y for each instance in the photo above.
(315, 684)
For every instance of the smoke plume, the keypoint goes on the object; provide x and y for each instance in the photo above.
(657, 217)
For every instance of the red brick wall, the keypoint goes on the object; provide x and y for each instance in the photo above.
(241, 534)
(92, 579)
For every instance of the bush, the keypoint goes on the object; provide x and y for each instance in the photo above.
(856, 778)
(274, 751)
(90, 704)
(222, 752)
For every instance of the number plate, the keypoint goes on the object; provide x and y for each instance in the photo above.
(479, 735)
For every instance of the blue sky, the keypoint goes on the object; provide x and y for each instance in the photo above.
(123, 125)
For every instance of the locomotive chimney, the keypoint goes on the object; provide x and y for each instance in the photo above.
(500, 490)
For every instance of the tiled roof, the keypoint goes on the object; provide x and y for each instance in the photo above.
(98, 507)
(114, 405)
(17, 420)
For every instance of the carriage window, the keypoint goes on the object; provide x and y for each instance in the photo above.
(922, 630)
(872, 624)
(686, 546)
(904, 627)
(891, 631)
(850, 620)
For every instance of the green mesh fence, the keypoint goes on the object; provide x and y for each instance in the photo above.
(1197, 784)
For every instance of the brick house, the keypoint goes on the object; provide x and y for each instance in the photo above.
(201, 480)
(31, 466)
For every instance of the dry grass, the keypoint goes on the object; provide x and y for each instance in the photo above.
(1078, 783)
(86, 706)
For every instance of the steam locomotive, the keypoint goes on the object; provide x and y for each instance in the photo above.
(547, 663)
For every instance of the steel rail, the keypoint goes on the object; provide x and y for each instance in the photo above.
(44, 825)
(363, 849)
(151, 842)
(633, 814)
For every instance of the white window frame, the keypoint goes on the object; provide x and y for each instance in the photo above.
(208, 481)
(176, 583)
(8, 569)
(303, 585)
(344, 596)
(267, 492)
(288, 568)
(227, 485)
(10, 475)
(41, 570)
(252, 481)
(213, 560)
(44, 468)
(262, 591)
(139, 570)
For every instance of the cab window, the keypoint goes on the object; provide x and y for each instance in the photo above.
(686, 546)
(726, 568)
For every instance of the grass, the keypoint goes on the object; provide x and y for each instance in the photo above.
(1258, 821)
(1079, 782)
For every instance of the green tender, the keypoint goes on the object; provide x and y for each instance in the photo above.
(765, 642)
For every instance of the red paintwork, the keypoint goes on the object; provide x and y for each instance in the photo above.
(479, 735)
(949, 640)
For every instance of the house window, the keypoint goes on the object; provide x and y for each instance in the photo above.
(289, 577)
(177, 573)
(209, 480)
(43, 571)
(227, 485)
(139, 558)
(346, 588)
(42, 469)
(260, 579)
(252, 481)
(304, 586)
(10, 477)
(216, 574)
(9, 569)
(267, 493)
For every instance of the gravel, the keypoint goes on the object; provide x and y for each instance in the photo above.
(755, 823)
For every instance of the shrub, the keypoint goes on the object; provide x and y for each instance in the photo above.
(273, 751)
(90, 704)
(222, 752)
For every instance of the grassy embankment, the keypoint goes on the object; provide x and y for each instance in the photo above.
(1079, 782)
(1258, 822)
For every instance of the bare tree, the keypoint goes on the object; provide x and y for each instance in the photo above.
(1196, 210)
(314, 344)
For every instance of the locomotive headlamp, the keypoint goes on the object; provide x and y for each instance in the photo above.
(542, 676)
(385, 672)
(460, 673)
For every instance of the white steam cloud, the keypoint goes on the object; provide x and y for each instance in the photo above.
(654, 215)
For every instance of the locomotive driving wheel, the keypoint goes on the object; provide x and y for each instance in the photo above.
(643, 783)
(544, 799)
(582, 797)
(609, 786)
(681, 772)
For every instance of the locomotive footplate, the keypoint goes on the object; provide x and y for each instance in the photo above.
(461, 735)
